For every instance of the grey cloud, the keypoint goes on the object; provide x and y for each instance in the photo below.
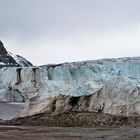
(70, 30)
(34, 18)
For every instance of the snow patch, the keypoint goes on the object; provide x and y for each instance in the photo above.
(20, 60)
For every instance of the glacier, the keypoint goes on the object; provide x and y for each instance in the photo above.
(110, 84)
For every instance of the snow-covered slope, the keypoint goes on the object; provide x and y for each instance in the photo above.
(20, 60)
(112, 85)
(8, 59)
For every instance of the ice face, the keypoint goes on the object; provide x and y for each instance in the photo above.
(77, 79)
(117, 78)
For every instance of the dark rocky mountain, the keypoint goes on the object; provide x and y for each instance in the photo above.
(8, 59)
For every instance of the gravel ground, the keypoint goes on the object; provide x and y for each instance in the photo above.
(68, 133)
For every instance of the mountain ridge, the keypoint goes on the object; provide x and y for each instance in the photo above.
(8, 59)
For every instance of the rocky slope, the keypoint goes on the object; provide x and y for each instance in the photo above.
(108, 86)
(76, 119)
(8, 59)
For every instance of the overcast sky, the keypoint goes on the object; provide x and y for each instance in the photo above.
(55, 31)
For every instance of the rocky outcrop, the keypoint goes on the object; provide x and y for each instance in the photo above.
(2, 49)
(8, 59)
(108, 86)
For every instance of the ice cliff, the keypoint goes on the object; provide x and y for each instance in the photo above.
(107, 85)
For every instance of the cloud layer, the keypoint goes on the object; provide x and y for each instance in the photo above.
(57, 31)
